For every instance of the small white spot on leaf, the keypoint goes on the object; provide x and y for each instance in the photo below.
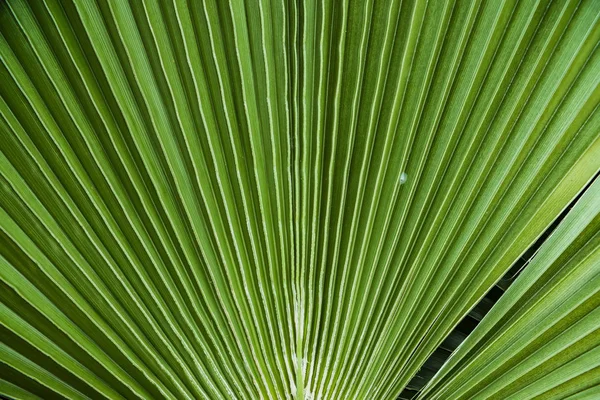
(403, 178)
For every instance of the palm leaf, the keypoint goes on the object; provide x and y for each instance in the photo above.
(283, 199)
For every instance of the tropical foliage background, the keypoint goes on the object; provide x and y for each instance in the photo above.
(277, 199)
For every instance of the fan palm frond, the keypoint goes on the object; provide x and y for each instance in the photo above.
(283, 199)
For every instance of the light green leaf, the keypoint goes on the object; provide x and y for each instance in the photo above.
(281, 199)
